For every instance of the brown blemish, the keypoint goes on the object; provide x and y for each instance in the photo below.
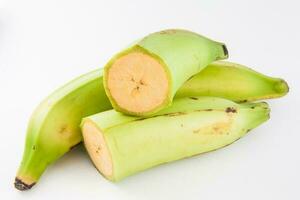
(140, 119)
(230, 110)
(209, 109)
(63, 129)
(219, 128)
(170, 31)
(194, 98)
(33, 147)
(181, 125)
(243, 101)
(20, 185)
(175, 114)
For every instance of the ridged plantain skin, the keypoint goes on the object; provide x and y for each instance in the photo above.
(190, 126)
(54, 126)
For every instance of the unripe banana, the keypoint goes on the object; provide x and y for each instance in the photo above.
(144, 78)
(121, 145)
(233, 81)
(54, 126)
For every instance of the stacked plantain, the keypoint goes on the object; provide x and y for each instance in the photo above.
(164, 98)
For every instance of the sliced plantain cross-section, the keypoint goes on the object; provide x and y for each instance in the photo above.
(144, 78)
(121, 145)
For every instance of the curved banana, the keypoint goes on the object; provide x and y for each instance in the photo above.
(54, 126)
(233, 81)
(144, 78)
(121, 145)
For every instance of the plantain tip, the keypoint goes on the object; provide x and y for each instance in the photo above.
(20, 185)
(282, 87)
(225, 50)
(263, 105)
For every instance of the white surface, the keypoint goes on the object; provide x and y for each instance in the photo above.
(45, 43)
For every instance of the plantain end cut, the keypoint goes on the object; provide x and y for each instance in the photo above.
(138, 82)
(22, 184)
(121, 145)
(97, 148)
(144, 78)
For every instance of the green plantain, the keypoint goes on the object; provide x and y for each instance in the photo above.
(54, 126)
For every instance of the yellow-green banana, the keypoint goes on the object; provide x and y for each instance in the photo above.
(144, 78)
(54, 126)
(233, 81)
(121, 145)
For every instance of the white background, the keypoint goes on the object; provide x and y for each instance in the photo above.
(46, 43)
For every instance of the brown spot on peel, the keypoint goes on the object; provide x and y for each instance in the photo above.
(169, 31)
(230, 110)
(209, 109)
(63, 129)
(175, 114)
(194, 98)
(140, 119)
